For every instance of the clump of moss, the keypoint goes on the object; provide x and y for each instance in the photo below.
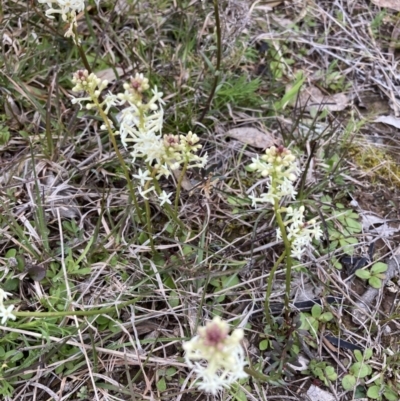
(377, 162)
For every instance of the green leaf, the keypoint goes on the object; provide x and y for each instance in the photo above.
(263, 345)
(349, 382)
(313, 325)
(330, 373)
(316, 311)
(174, 299)
(11, 253)
(351, 240)
(11, 285)
(170, 372)
(305, 319)
(358, 355)
(360, 369)
(390, 394)
(364, 274)
(373, 392)
(379, 267)
(375, 282)
(291, 94)
(326, 317)
(336, 264)
(367, 353)
(240, 395)
(161, 384)
(333, 245)
(230, 281)
(353, 225)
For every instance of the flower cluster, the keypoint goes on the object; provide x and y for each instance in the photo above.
(219, 357)
(68, 10)
(299, 233)
(279, 164)
(140, 127)
(93, 86)
(5, 313)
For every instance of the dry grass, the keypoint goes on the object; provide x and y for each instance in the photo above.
(65, 209)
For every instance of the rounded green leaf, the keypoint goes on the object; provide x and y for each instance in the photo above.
(375, 282)
(364, 274)
(358, 355)
(263, 345)
(170, 372)
(349, 382)
(360, 369)
(353, 225)
(161, 384)
(379, 267)
(11, 253)
(316, 311)
(351, 240)
(368, 353)
(240, 395)
(326, 317)
(373, 392)
(330, 373)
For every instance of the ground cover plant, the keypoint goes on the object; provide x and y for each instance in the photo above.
(196, 199)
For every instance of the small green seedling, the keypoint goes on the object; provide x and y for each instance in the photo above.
(358, 370)
(381, 391)
(343, 226)
(323, 371)
(374, 275)
(311, 321)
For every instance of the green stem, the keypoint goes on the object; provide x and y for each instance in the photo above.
(148, 220)
(92, 312)
(218, 66)
(97, 101)
(289, 261)
(178, 187)
(170, 212)
(269, 289)
(257, 375)
(120, 158)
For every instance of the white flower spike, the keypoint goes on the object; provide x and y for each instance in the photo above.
(218, 357)
(280, 166)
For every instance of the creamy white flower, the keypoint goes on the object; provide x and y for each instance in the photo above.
(64, 7)
(298, 232)
(279, 164)
(219, 357)
(143, 176)
(4, 295)
(5, 313)
(143, 193)
(164, 198)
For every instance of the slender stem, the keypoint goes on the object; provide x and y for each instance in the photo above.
(97, 101)
(178, 187)
(218, 66)
(148, 218)
(269, 289)
(120, 158)
(289, 261)
(257, 375)
(91, 312)
(167, 206)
